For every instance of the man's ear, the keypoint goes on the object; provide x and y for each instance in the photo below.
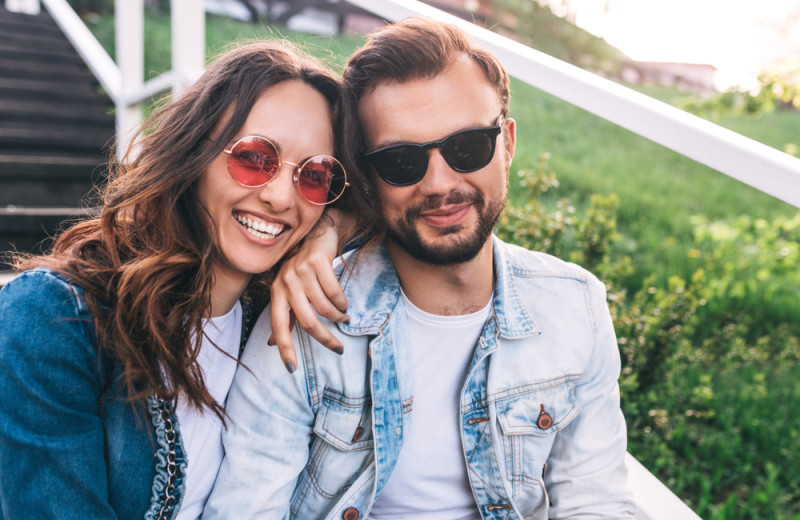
(510, 136)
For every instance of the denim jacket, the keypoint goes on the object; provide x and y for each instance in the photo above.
(322, 442)
(71, 445)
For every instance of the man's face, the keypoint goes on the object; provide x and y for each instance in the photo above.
(447, 217)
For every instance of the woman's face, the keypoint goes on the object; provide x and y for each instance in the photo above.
(254, 227)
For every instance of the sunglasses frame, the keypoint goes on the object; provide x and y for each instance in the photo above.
(493, 131)
(296, 170)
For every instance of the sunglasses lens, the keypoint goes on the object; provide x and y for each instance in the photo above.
(470, 150)
(401, 165)
(321, 179)
(253, 162)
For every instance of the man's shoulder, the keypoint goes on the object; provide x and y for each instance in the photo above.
(526, 263)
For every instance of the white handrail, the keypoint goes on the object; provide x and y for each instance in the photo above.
(124, 83)
(93, 54)
(765, 168)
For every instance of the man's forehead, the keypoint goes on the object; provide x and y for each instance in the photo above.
(425, 109)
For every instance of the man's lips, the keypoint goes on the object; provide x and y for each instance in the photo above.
(446, 216)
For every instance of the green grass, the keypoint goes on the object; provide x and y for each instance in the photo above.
(741, 453)
(737, 443)
(660, 189)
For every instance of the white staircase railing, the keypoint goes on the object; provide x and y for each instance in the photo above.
(124, 80)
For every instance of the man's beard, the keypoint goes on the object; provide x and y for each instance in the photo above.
(446, 252)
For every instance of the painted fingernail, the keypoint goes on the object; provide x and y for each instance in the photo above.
(338, 350)
(290, 367)
(271, 341)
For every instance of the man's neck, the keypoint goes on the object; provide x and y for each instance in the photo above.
(446, 290)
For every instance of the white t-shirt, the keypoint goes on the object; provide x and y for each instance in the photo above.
(202, 430)
(430, 480)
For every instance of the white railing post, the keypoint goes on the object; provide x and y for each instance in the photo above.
(24, 6)
(188, 43)
(129, 37)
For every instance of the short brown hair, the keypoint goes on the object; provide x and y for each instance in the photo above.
(416, 48)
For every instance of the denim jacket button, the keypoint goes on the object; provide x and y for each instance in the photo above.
(351, 513)
(544, 421)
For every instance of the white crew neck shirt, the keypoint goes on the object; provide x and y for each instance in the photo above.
(429, 481)
(201, 430)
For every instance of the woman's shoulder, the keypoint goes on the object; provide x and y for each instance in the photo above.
(39, 289)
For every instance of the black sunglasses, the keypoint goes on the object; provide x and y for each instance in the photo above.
(464, 151)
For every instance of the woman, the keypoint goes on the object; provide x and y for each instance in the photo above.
(118, 348)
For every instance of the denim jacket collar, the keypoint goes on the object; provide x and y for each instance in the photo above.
(375, 292)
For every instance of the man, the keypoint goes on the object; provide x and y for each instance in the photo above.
(479, 380)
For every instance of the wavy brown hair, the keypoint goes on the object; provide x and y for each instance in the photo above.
(145, 262)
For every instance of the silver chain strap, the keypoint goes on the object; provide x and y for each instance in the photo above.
(172, 465)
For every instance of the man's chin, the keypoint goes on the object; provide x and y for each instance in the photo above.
(444, 250)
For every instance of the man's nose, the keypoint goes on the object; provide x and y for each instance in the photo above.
(440, 178)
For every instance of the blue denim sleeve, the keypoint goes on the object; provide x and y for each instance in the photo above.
(51, 435)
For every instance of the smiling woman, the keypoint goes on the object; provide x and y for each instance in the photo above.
(118, 347)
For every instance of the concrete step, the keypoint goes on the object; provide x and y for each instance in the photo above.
(30, 229)
(28, 137)
(56, 113)
(42, 23)
(42, 55)
(16, 68)
(37, 180)
(86, 94)
(34, 37)
(42, 166)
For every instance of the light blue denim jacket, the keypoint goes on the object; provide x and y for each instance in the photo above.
(71, 444)
(322, 442)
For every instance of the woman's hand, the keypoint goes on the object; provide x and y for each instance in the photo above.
(306, 285)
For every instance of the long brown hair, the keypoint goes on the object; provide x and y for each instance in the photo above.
(145, 263)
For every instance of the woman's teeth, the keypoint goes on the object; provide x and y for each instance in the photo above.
(260, 228)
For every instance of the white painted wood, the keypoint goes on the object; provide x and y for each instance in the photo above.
(765, 168)
(654, 500)
(188, 43)
(93, 54)
(24, 6)
(129, 38)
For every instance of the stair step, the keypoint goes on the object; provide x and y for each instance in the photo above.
(20, 136)
(42, 55)
(31, 229)
(56, 113)
(11, 67)
(30, 180)
(55, 127)
(20, 22)
(30, 89)
(40, 167)
(27, 37)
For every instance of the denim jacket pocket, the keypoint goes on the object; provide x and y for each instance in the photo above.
(529, 421)
(343, 445)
